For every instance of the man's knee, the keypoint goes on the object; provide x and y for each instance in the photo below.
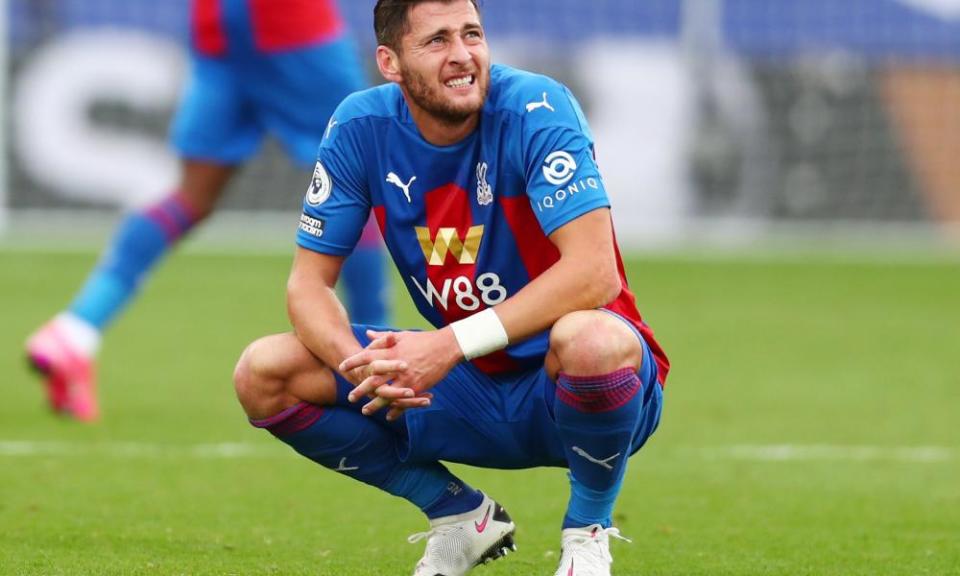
(276, 372)
(591, 342)
(251, 376)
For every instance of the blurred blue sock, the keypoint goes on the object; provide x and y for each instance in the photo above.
(365, 285)
(139, 242)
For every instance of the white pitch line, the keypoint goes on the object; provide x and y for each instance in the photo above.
(240, 450)
(828, 452)
(224, 451)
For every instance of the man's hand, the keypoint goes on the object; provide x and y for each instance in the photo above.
(373, 380)
(399, 368)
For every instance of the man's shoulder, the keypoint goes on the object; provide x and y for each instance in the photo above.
(376, 102)
(514, 88)
(539, 99)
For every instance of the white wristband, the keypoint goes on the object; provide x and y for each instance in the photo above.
(480, 334)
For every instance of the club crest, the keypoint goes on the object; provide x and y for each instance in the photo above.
(484, 190)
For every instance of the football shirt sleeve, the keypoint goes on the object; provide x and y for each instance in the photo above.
(563, 180)
(337, 202)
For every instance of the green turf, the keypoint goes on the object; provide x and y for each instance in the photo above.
(815, 353)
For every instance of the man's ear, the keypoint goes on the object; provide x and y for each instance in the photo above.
(389, 64)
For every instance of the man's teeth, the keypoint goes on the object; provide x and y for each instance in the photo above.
(460, 82)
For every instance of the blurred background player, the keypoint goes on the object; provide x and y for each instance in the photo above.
(258, 66)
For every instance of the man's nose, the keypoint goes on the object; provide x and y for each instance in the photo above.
(459, 51)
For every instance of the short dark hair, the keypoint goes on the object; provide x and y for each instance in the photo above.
(390, 21)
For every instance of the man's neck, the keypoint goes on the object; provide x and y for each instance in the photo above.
(440, 132)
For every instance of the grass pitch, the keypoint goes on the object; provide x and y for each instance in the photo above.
(810, 428)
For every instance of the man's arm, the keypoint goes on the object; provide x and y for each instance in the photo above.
(321, 324)
(317, 316)
(585, 277)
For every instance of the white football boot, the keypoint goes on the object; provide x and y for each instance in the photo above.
(455, 544)
(586, 551)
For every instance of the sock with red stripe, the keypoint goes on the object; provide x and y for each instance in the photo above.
(140, 241)
(596, 419)
(362, 448)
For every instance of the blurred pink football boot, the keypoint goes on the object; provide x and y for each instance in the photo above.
(68, 372)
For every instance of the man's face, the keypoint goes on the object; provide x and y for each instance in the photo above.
(444, 60)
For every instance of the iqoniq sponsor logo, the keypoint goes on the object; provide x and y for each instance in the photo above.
(558, 167)
(553, 200)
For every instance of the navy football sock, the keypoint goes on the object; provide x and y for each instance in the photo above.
(348, 442)
(596, 419)
(139, 242)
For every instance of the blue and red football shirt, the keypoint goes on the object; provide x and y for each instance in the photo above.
(467, 224)
(274, 25)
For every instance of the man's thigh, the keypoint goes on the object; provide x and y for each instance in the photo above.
(502, 422)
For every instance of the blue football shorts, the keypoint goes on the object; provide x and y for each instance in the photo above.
(230, 103)
(502, 421)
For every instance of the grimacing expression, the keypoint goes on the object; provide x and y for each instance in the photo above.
(445, 61)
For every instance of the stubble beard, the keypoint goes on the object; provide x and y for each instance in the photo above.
(430, 100)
